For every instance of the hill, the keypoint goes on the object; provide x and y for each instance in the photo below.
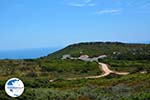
(114, 50)
(132, 57)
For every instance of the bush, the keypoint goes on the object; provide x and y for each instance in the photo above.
(31, 74)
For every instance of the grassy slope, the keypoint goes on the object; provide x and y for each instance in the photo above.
(51, 68)
(123, 51)
(132, 66)
(130, 87)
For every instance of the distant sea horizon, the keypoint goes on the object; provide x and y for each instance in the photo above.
(26, 53)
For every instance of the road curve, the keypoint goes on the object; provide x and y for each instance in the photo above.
(104, 68)
(106, 71)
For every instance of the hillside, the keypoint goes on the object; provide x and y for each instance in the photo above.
(114, 50)
(54, 78)
(132, 57)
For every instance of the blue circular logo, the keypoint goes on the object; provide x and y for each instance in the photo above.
(14, 87)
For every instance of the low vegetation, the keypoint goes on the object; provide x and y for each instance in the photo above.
(37, 73)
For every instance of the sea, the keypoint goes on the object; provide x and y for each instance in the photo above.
(26, 53)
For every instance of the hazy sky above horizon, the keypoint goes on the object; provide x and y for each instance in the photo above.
(56, 23)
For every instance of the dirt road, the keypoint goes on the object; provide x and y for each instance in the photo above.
(104, 68)
(106, 71)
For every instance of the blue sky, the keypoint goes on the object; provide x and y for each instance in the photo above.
(56, 23)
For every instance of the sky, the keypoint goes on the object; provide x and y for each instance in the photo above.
(26, 24)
